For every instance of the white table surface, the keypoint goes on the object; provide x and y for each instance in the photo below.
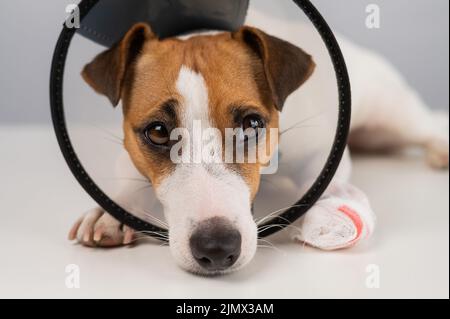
(39, 200)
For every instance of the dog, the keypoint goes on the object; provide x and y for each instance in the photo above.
(246, 79)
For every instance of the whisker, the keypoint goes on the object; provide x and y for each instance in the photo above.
(157, 220)
(261, 220)
(272, 214)
(147, 238)
(296, 128)
(260, 230)
(273, 248)
(282, 226)
(265, 240)
(159, 235)
(305, 120)
(149, 217)
(284, 219)
(127, 179)
(106, 131)
(151, 233)
(114, 141)
(264, 246)
(271, 245)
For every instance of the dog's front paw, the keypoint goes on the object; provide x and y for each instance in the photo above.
(334, 224)
(99, 229)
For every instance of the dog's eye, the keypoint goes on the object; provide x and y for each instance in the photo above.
(252, 126)
(252, 122)
(157, 134)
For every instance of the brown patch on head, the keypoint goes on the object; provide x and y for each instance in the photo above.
(247, 72)
(237, 87)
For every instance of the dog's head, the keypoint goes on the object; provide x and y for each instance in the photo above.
(235, 82)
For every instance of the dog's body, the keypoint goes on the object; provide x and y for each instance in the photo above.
(196, 198)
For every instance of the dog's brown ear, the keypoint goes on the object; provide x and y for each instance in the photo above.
(286, 66)
(106, 73)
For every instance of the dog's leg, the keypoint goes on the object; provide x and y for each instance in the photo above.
(97, 228)
(389, 115)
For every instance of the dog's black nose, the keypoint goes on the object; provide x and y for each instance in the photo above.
(215, 244)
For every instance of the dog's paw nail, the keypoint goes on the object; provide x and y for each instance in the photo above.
(87, 237)
(128, 235)
(98, 235)
(438, 154)
(74, 230)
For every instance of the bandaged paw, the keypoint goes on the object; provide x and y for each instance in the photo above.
(336, 223)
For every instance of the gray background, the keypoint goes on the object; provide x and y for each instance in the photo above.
(413, 35)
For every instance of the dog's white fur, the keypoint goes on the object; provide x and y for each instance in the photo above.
(386, 113)
(197, 192)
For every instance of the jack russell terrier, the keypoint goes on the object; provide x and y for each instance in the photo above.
(250, 80)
